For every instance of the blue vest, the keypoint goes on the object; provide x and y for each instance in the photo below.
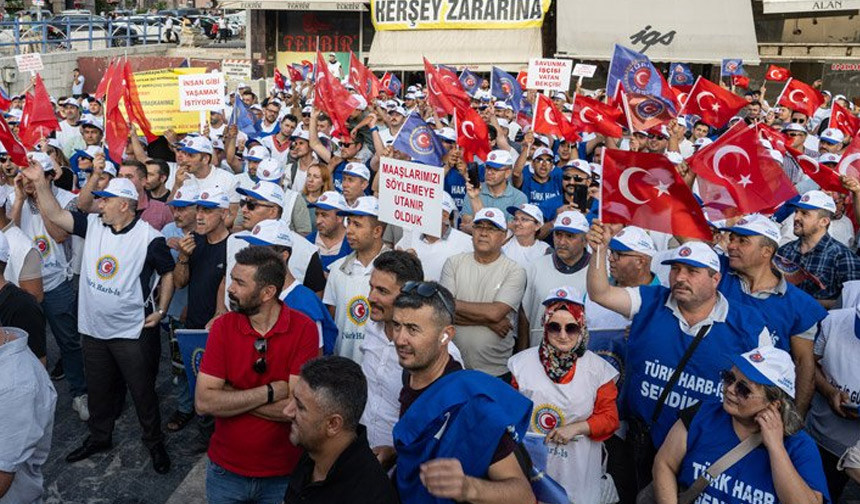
(538, 192)
(785, 315)
(462, 415)
(656, 345)
(750, 480)
(326, 260)
(304, 300)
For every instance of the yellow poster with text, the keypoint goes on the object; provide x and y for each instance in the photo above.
(457, 14)
(159, 95)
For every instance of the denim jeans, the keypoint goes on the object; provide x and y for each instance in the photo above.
(61, 310)
(225, 487)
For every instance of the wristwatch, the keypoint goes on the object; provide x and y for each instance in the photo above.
(161, 312)
(271, 393)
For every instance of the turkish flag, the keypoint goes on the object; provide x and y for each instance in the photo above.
(645, 190)
(737, 176)
(116, 127)
(38, 120)
(332, 98)
(844, 120)
(279, 80)
(445, 93)
(362, 79)
(548, 120)
(522, 78)
(800, 97)
(101, 89)
(850, 163)
(472, 134)
(741, 81)
(712, 103)
(16, 151)
(133, 107)
(778, 140)
(826, 178)
(295, 74)
(681, 93)
(592, 116)
(777, 74)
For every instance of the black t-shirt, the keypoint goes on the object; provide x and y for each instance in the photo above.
(206, 268)
(356, 477)
(20, 309)
(314, 274)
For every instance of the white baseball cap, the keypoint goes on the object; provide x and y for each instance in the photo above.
(570, 221)
(633, 239)
(564, 293)
(329, 200)
(197, 145)
(119, 187)
(213, 198)
(301, 134)
(832, 136)
(768, 365)
(756, 224)
(264, 191)
(492, 215)
(812, 200)
(89, 153)
(448, 204)
(269, 232)
(795, 127)
(93, 122)
(578, 164)
(185, 196)
(447, 134)
(270, 170)
(702, 142)
(257, 153)
(527, 208)
(543, 151)
(399, 110)
(829, 157)
(43, 159)
(357, 170)
(365, 205)
(4, 248)
(499, 159)
(696, 254)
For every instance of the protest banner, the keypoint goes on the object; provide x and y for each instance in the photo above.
(457, 14)
(30, 62)
(192, 344)
(236, 69)
(159, 96)
(410, 195)
(550, 74)
(201, 92)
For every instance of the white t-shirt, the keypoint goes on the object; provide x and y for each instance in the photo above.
(220, 178)
(524, 256)
(433, 255)
(347, 289)
(542, 277)
(78, 85)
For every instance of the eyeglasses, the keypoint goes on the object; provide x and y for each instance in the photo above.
(570, 328)
(543, 160)
(427, 290)
(253, 204)
(741, 388)
(260, 345)
(485, 228)
(575, 178)
(617, 255)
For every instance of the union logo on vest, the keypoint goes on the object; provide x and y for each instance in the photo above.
(42, 245)
(546, 418)
(106, 267)
(358, 310)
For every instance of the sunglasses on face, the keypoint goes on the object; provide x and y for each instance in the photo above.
(260, 346)
(575, 178)
(347, 144)
(3, 159)
(427, 290)
(741, 388)
(798, 120)
(796, 134)
(570, 328)
(305, 115)
(252, 204)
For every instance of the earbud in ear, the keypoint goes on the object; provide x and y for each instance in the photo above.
(444, 338)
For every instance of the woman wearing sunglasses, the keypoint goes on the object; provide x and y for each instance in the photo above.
(758, 394)
(574, 393)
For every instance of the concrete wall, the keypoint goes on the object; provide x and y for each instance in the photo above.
(58, 67)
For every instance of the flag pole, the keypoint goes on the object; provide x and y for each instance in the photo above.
(535, 112)
(783, 90)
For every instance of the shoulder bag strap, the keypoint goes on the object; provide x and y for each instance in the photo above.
(678, 370)
(719, 467)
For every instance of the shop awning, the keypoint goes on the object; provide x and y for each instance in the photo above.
(691, 31)
(296, 5)
(475, 49)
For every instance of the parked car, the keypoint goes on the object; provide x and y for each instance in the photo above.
(72, 20)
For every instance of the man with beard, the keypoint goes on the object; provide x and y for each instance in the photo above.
(540, 180)
(576, 176)
(260, 346)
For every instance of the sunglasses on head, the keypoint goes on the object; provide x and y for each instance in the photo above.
(260, 346)
(427, 290)
(252, 204)
(575, 178)
(741, 388)
(570, 328)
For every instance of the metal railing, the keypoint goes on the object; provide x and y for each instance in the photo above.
(83, 33)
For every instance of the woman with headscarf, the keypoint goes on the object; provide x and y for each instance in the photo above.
(758, 394)
(574, 393)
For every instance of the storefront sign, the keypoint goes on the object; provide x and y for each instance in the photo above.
(457, 14)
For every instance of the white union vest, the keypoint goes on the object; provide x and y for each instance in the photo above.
(55, 265)
(576, 465)
(110, 301)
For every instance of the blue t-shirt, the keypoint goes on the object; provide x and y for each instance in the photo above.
(538, 192)
(785, 314)
(656, 345)
(326, 260)
(304, 300)
(750, 480)
(455, 185)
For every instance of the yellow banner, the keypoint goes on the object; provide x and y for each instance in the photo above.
(159, 96)
(457, 14)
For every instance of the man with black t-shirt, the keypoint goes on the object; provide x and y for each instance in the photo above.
(202, 259)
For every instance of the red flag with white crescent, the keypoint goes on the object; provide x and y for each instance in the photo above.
(548, 120)
(472, 134)
(591, 116)
(777, 74)
(800, 97)
(850, 162)
(844, 120)
(712, 103)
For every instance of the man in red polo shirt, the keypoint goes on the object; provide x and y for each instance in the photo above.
(252, 361)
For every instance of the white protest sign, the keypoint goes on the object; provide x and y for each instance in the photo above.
(551, 74)
(201, 92)
(30, 62)
(236, 69)
(410, 195)
(583, 70)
